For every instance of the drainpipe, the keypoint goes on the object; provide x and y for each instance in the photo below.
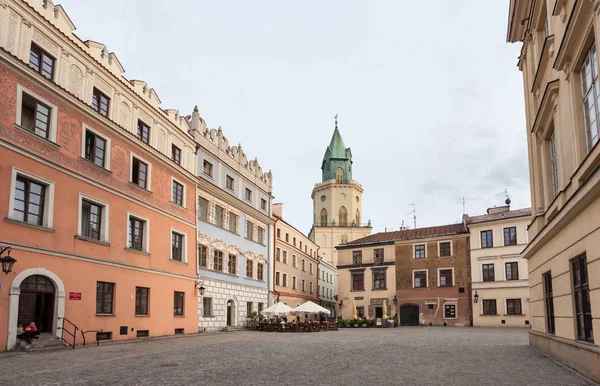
(275, 257)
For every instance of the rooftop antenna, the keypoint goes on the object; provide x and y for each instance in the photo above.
(507, 200)
(463, 200)
(414, 213)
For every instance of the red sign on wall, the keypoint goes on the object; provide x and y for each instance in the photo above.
(74, 295)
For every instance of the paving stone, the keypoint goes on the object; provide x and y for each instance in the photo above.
(399, 356)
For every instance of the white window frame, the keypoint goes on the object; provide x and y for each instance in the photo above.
(48, 219)
(212, 176)
(438, 275)
(146, 243)
(52, 127)
(415, 251)
(455, 311)
(105, 218)
(294, 283)
(233, 182)
(184, 196)
(246, 189)
(85, 128)
(210, 314)
(184, 257)
(149, 174)
(426, 277)
(284, 280)
(438, 246)
(266, 204)
(275, 278)
(303, 285)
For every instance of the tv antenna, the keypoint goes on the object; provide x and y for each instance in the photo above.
(414, 213)
(463, 200)
(505, 193)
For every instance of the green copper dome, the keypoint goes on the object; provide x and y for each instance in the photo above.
(337, 157)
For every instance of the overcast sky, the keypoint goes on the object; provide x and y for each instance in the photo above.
(428, 93)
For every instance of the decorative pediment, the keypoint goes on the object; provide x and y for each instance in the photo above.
(255, 256)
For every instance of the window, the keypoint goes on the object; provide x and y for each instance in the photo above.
(218, 260)
(41, 61)
(339, 176)
(591, 94)
(358, 280)
(310, 267)
(207, 168)
(207, 307)
(100, 102)
(203, 252)
(300, 245)
(287, 237)
(136, 233)
(232, 264)
(219, 214)
(91, 220)
(249, 230)
(178, 299)
(141, 300)
(581, 293)
(143, 131)
(420, 279)
(294, 282)
(344, 239)
(311, 287)
(277, 276)
(29, 201)
(233, 220)
(294, 241)
(303, 265)
(261, 235)
(445, 249)
(510, 236)
(95, 148)
(278, 233)
(360, 312)
(177, 193)
(285, 257)
(323, 217)
(263, 204)
(259, 271)
(35, 116)
(278, 254)
(420, 251)
(489, 307)
(139, 173)
(104, 297)
(446, 278)
(379, 279)
(487, 240)
(553, 163)
(449, 311)
(202, 209)
(294, 261)
(343, 216)
(356, 257)
(513, 306)
(512, 271)
(249, 268)
(488, 272)
(378, 256)
(248, 194)
(284, 279)
(261, 306)
(549, 302)
(248, 308)
(177, 246)
(176, 154)
(229, 183)
(303, 286)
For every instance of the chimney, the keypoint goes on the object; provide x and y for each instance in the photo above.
(277, 209)
(498, 209)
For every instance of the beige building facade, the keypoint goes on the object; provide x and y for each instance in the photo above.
(559, 61)
(296, 265)
(499, 275)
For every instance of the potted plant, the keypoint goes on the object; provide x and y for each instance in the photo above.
(366, 322)
(396, 320)
(355, 322)
(252, 322)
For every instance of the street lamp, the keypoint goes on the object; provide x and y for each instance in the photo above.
(200, 287)
(476, 297)
(395, 300)
(7, 261)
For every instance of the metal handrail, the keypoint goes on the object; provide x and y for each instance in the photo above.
(73, 334)
(96, 331)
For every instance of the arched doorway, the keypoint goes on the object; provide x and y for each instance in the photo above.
(230, 313)
(36, 303)
(409, 315)
(15, 293)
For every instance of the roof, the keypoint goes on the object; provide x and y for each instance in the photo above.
(526, 212)
(337, 146)
(418, 233)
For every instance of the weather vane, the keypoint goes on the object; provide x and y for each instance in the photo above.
(335, 116)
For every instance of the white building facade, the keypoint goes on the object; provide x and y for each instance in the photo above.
(327, 286)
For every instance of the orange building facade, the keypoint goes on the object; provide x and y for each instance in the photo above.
(97, 192)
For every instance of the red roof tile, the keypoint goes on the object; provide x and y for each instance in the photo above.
(418, 233)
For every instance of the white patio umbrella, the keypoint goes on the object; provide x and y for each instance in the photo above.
(278, 309)
(310, 308)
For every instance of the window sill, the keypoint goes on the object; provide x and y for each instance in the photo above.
(137, 251)
(142, 316)
(208, 175)
(23, 223)
(514, 315)
(208, 316)
(489, 314)
(34, 135)
(139, 187)
(361, 290)
(179, 316)
(83, 238)
(97, 314)
(379, 289)
(87, 161)
(178, 206)
(420, 287)
(178, 261)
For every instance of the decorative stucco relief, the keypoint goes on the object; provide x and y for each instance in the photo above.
(125, 115)
(47, 44)
(162, 140)
(75, 80)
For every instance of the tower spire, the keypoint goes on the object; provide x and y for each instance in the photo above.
(335, 116)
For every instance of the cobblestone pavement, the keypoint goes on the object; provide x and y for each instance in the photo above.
(407, 356)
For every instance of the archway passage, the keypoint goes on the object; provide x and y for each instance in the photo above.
(409, 315)
(230, 313)
(36, 302)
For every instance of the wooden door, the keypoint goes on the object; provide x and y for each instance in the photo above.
(229, 314)
(27, 303)
(409, 315)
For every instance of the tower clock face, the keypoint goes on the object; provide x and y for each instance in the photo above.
(323, 198)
